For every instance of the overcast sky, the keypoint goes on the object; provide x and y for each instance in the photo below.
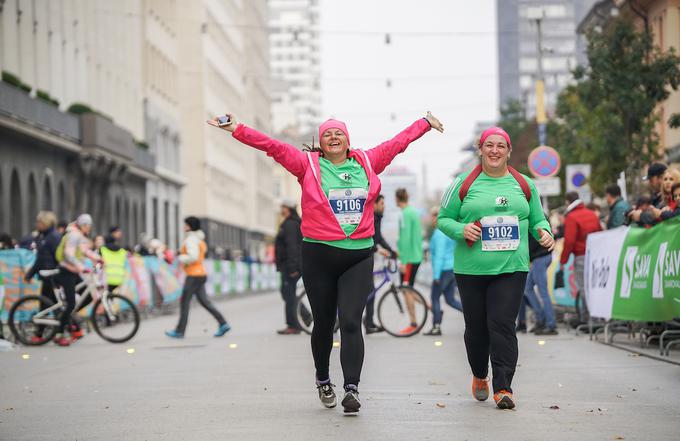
(455, 76)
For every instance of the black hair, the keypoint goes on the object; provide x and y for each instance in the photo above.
(62, 224)
(379, 198)
(402, 195)
(675, 187)
(193, 222)
(571, 196)
(113, 229)
(613, 190)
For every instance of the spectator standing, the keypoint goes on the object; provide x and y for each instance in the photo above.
(670, 177)
(579, 222)
(443, 278)
(381, 246)
(675, 192)
(540, 259)
(48, 241)
(288, 255)
(115, 259)
(618, 207)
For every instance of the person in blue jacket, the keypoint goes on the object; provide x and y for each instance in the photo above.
(443, 279)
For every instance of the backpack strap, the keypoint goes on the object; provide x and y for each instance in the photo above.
(474, 174)
(465, 187)
(524, 185)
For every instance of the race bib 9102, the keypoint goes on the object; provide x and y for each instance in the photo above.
(500, 233)
(348, 204)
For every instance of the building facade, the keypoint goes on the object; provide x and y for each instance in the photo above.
(295, 66)
(225, 69)
(562, 48)
(59, 55)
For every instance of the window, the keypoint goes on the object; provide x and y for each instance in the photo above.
(154, 218)
(527, 64)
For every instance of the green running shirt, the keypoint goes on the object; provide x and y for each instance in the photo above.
(491, 197)
(349, 174)
(410, 242)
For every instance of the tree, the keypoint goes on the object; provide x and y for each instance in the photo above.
(608, 117)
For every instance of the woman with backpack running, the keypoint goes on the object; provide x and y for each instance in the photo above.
(490, 212)
(339, 188)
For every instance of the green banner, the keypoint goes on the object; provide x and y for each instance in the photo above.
(648, 282)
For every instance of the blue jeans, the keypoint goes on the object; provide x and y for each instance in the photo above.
(447, 286)
(538, 276)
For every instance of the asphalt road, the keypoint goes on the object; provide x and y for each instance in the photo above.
(255, 385)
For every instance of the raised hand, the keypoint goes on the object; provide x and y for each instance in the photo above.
(434, 122)
(229, 127)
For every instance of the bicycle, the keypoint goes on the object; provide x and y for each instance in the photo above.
(113, 316)
(392, 315)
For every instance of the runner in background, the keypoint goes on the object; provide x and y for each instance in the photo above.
(410, 248)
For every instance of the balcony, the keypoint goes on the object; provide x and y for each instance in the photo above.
(18, 105)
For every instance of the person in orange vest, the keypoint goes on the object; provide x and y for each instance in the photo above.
(191, 259)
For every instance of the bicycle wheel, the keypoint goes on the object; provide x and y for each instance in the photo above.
(303, 313)
(117, 321)
(393, 311)
(24, 328)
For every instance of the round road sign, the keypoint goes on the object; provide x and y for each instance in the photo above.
(544, 162)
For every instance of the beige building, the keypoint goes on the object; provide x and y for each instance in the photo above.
(225, 68)
(662, 19)
(162, 118)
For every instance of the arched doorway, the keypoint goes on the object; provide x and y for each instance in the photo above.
(61, 201)
(16, 220)
(47, 194)
(32, 203)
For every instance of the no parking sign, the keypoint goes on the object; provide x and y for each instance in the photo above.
(544, 162)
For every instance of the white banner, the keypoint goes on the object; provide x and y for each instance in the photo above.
(602, 259)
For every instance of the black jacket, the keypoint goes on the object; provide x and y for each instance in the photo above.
(378, 238)
(47, 247)
(536, 250)
(288, 246)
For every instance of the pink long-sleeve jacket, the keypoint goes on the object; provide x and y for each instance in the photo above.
(318, 220)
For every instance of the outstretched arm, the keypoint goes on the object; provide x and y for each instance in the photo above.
(382, 155)
(288, 156)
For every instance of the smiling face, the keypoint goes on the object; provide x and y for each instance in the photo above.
(334, 142)
(667, 181)
(495, 152)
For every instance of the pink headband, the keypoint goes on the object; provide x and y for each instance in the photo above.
(495, 131)
(334, 124)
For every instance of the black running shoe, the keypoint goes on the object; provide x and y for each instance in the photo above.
(373, 329)
(327, 395)
(521, 327)
(436, 330)
(547, 331)
(351, 402)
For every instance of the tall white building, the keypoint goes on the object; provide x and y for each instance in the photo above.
(295, 66)
(225, 68)
(518, 47)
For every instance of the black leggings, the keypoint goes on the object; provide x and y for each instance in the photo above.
(337, 281)
(68, 281)
(490, 307)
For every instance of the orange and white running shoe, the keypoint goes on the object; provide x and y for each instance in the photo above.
(504, 399)
(480, 388)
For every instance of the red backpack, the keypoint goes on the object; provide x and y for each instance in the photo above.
(474, 174)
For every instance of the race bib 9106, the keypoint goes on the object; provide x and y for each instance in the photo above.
(348, 204)
(500, 233)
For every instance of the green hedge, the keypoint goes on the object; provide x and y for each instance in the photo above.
(44, 96)
(15, 81)
(79, 108)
